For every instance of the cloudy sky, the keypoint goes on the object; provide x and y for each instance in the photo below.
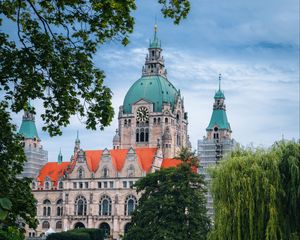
(253, 44)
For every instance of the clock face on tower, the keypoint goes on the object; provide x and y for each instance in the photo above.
(142, 114)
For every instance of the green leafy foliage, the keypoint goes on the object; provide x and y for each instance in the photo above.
(51, 58)
(256, 194)
(15, 194)
(172, 204)
(5, 206)
(78, 234)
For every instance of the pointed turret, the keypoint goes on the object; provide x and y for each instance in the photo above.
(60, 157)
(77, 144)
(219, 126)
(154, 65)
(28, 128)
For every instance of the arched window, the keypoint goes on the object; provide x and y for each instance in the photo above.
(166, 120)
(126, 227)
(125, 122)
(105, 172)
(154, 120)
(130, 171)
(80, 173)
(142, 135)
(80, 206)
(178, 140)
(105, 206)
(137, 135)
(129, 122)
(105, 228)
(33, 185)
(60, 185)
(47, 208)
(58, 225)
(178, 117)
(146, 135)
(158, 120)
(59, 208)
(130, 204)
(45, 225)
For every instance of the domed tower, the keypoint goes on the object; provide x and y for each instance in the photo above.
(35, 154)
(153, 106)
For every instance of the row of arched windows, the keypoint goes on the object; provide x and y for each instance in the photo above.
(47, 207)
(46, 225)
(142, 135)
(105, 205)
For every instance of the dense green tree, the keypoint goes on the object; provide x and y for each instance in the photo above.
(20, 203)
(256, 194)
(172, 204)
(51, 56)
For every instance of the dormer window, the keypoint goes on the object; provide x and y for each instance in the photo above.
(47, 183)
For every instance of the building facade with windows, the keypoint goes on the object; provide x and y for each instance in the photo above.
(217, 142)
(94, 189)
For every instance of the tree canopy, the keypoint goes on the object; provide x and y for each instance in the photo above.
(16, 191)
(172, 204)
(257, 194)
(51, 56)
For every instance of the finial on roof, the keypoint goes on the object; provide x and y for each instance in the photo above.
(220, 76)
(60, 157)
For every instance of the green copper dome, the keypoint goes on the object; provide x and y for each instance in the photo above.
(219, 118)
(28, 129)
(155, 89)
(219, 94)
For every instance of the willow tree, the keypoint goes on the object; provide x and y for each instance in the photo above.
(256, 193)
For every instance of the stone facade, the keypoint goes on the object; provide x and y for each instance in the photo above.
(94, 189)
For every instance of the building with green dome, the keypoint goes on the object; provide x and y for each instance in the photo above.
(153, 112)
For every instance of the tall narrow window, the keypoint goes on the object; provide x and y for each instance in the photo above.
(80, 173)
(130, 204)
(142, 135)
(137, 135)
(146, 135)
(80, 206)
(105, 206)
(105, 172)
(47, 208)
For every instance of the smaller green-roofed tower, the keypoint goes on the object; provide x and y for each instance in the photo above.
(219, 126)
(216, 144)
(35, 154)
(60, 157)
(28, 128)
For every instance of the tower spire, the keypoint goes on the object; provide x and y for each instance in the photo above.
(220, 81)
(60, 157)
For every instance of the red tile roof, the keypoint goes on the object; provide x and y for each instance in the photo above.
(118, 157)
(145, 157)
(93, 159)
(53, 170)
(170, 162)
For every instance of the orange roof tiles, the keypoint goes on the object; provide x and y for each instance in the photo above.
(170, 162)
(118, 157)
(93, 159)
(53, 170)
(145, 157)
